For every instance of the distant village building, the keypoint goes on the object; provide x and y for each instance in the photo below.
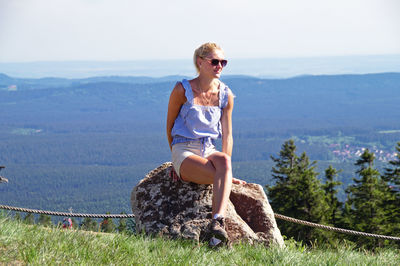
(349, 152)
(12, 88)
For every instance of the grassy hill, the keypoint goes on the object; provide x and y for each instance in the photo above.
(27, 244)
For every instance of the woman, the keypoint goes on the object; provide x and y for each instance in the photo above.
(200, 111)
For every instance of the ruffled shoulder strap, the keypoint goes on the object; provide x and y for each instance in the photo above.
(188, 90)
(223, 95)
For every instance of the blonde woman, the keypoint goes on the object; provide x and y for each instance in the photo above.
(199, 112)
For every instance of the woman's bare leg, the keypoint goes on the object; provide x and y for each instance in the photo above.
(215, 169)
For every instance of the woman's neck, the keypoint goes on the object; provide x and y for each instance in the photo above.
(206, 84)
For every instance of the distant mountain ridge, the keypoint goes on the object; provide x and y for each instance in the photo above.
(325, 100)
(6, 80)
(30, 83)
(259, 67)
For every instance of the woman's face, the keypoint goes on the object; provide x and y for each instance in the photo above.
(207, 68)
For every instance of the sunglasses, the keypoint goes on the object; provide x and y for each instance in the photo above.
(216, 62)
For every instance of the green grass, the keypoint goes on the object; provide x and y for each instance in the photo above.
(24, 244)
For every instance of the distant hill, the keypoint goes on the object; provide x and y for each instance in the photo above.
(260, 67)
(86, 142)
(54, 82)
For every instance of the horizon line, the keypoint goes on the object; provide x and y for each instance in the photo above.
(189, 58)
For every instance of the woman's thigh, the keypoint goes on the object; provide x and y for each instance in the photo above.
(197, 169)
(201, 170)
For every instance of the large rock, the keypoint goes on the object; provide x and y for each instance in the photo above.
(177, 209)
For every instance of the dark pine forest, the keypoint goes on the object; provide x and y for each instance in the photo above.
(85, 143)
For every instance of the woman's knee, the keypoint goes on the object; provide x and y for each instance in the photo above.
(221, 160)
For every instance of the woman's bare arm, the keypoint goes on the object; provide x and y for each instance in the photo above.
(226, 122)
(227, 139)
(176, 100)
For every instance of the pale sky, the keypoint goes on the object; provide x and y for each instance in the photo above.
(108, 30)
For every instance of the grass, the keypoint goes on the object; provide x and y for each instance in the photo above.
(25, 244)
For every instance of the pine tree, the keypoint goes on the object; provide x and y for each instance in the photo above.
(122, 227)
(17, 217)
(335, 206)
(297, 193)
(74, 223)
(44, 220)
(131, 226)
(89, 224)
(29, 219)
(392, 174)
(285, 163)
(392, 177)
(284, 173)
(107, 225)
(366, 201)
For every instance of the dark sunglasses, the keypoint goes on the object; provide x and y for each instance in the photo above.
(215, 62)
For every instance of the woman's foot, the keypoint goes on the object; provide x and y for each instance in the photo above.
(217, 229)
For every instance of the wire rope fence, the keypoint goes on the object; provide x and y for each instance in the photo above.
(278, 216)
(69, 214)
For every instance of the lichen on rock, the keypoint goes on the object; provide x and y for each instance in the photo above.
(183, 210)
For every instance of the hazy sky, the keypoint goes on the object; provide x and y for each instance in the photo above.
(54, 30)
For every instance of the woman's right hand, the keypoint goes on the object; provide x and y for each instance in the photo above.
(238, 181)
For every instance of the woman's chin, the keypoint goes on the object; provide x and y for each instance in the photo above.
(217, 75)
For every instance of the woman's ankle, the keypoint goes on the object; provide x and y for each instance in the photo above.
(218, 216)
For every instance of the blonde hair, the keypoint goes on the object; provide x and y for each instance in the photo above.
(203, 51)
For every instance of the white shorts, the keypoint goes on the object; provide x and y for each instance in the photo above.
(182, 150)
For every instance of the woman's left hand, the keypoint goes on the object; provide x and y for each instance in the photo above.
(238, 181)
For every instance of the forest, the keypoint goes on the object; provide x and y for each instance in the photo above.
(372, 204)
(85, 143)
